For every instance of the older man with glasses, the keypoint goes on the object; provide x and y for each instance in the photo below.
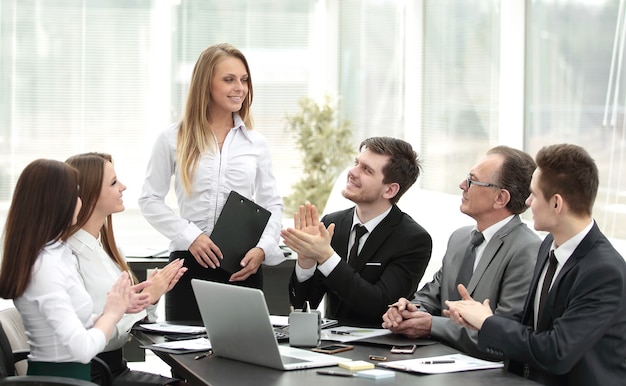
(494, 259)
(572, 330)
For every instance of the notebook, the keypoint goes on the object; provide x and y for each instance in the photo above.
(238, 324)
(238, 229)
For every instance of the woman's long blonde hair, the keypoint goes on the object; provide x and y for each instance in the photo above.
(195, 135)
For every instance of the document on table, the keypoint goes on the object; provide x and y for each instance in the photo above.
(173, 328)
(279, 320)
(347, 334)
(181, 346)
(441, 364)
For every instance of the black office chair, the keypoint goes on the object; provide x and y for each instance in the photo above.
(37, 380)
(12, 335)
(9, 358)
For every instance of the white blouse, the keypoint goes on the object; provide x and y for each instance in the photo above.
(99, 273)
(244, 165)
(57, 311)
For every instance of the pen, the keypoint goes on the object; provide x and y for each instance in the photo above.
(436, 362)
(335, 373)
(206, 354)
(338, 332)
(378, 358)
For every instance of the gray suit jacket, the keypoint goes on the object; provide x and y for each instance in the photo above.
(503, 275)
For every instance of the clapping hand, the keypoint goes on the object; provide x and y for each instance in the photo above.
(119, 297)
(163, 280)
(309, 238)
(467, 312)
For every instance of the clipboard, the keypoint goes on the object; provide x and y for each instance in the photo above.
(238, 229)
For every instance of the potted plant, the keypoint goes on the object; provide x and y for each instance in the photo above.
(327, 148)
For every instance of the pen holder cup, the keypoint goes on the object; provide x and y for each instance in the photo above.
(305, 328)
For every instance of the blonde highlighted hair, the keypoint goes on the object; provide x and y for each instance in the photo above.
(195, 134)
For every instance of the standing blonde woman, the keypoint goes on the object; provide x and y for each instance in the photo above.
(211, 151)
(40, 274)
(100, 260)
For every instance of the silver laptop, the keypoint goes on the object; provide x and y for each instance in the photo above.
(238, 324)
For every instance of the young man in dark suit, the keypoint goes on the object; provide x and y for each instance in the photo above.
(494, 195)
(362, 275)
(573, 326)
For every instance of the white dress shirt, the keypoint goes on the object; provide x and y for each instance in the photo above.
(99, 272)
(488, 235)
(57, 311)
(244, 165)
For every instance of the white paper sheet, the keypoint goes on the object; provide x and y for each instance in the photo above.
(455, 363)
(174, 328)
(348, 334)
(197, 344)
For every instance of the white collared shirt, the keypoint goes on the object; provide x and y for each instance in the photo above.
(57, 311)
(99, 272)
(330, 264)
(562, 254)
(488, 235)
(244, 165)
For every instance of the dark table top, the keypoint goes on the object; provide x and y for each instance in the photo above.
(218, 371)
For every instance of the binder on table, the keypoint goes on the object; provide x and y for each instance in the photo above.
(238, 229)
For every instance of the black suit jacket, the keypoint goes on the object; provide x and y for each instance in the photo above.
(581, 334)
(390, 265)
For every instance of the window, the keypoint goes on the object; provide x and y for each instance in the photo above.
(454, 77)
(460, 108)
(568, 71)
(109, 75)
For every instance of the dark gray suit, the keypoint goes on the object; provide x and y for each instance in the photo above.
(581, 333)
(503, 275)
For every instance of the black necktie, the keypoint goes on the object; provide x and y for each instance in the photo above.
(467, 265)
(545, 288)
(354, 251)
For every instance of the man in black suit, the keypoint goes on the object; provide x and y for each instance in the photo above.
(573, 326)
(387, 260)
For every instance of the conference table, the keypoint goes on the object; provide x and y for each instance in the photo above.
(215, 371)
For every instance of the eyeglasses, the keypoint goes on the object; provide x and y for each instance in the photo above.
(471, 182)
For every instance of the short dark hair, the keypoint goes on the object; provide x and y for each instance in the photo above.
(403, 167)
(570, 171)
(514, 175)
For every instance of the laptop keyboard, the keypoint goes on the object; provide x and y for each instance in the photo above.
(280, 335)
